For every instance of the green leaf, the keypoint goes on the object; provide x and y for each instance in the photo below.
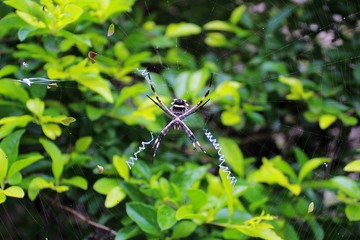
(233, 155)
(23, 162)
(2, 196)
(114, 197)
(230, 117)
(4, 167)
(12, 89)
(182, 29)
(94, 113)
(128, 232)
(98, 85)
(347, 185)
(36, 106)
(104, 185)
(7, 70)
(353, 166)
(261, 230)
(145, 217)
(76, 181)
(237, 13)
(10, 123)
(51, 130)
(83, 143)
(228, 190)
(121, 166)
(166, 217)
(271, 175)
(67, 121)
(197, 198)
(185, 212)
(215, 39)
(183, 229)
(311, 165)
(326, 120)
(219, 26)
(56, 157)
(14, 191)
(10, 145)
(353, 212)
(36, 185)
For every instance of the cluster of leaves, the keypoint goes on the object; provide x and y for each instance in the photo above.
(178, 195)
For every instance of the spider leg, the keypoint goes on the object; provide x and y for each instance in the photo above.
(159, 106)
(200, 103)
(191, 136)
(161, 135)
(164, 107)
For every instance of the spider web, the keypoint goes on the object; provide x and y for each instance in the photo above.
(332, 143)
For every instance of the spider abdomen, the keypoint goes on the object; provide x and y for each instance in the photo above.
(179, 107)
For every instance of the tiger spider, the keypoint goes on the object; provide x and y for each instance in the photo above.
(178, 112)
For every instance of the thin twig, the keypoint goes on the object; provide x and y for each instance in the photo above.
(79, 215)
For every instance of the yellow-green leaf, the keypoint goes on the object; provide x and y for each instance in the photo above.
(2, 196)
(114, 197)
(230, 117)
(14, 191)
(36, 106)
(76, 181)
(36, 185)
(68, 120)
(353, 212)
(237, 13)
(182, 29)
(311, 165)
(218, 26)
(121, 166)
(228, 190)
(326, 120)
(83, 143)
(4, 166)
(353, 166)
(51, 130)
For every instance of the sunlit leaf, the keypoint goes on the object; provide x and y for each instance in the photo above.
(353, 212)
(10, 123)
(83, 143)
(4, 166)
(104, 185)
(353, 166)
(219, 26)
(52, 131)
(231, 117)
(23, 162)
(36, 185)
(310, 166)
(114, 197)
(237, 13)
(121, 166)
(326, 120)
(36, 106)
(228, 190)
(76, 181)
(182, 29)
(14, 191)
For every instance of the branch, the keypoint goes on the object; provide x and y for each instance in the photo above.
(79, 215)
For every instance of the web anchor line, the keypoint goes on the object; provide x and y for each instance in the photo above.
(222, 161)
(132, 160)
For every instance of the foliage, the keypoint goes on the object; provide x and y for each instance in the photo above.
(64, 117)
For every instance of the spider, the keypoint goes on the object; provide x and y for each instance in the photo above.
(178, 112)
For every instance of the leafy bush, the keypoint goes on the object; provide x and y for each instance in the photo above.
(75, 122)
